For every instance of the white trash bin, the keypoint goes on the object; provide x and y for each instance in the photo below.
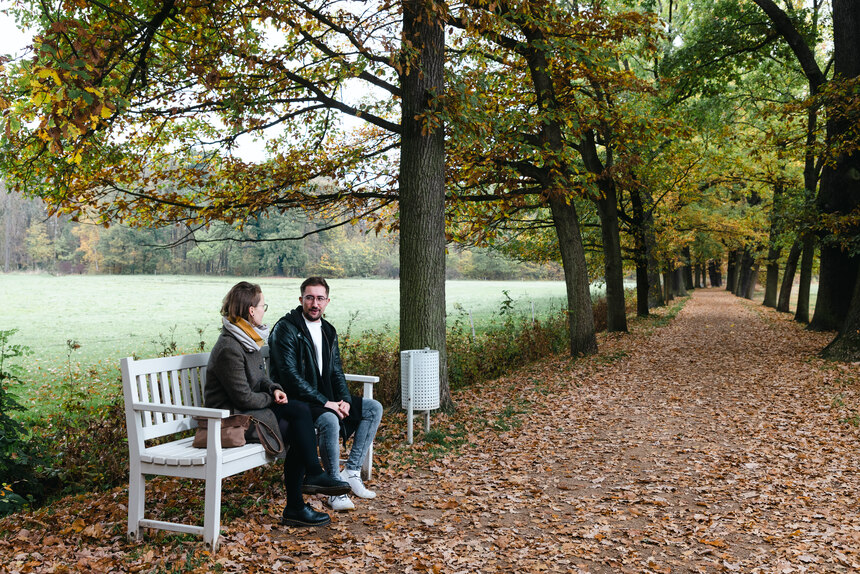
(419, 385)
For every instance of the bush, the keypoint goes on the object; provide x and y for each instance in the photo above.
(69, 439)
(375, 353)
(16, 452)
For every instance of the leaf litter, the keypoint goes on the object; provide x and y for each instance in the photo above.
(718, 443)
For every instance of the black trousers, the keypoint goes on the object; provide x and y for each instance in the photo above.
(297, 429)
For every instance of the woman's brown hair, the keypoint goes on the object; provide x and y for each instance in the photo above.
(241, 297)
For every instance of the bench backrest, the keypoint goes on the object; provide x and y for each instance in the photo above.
(176, 381)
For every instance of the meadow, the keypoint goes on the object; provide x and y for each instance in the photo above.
(80, 326)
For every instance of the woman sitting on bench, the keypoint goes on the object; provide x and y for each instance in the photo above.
(236, 379)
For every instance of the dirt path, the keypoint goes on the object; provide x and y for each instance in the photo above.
(710, 445)
(713, 444)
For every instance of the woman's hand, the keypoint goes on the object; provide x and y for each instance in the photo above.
(280, 397)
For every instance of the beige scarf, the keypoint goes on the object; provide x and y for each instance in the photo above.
(252, 338)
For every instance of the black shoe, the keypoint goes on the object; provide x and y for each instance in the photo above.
(306, 516)
(324, 484)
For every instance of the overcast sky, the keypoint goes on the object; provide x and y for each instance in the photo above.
(12, 40)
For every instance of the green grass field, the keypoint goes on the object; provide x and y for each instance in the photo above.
(113, 316)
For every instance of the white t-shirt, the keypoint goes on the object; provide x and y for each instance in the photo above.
(315, 327)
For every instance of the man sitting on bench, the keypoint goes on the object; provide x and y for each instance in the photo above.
(305, 361)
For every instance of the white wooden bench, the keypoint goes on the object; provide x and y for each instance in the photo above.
(162, 397)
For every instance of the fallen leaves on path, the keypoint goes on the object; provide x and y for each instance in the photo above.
(719, 443)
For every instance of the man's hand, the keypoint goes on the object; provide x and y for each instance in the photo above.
(336, 408)
(343, 407)
(280, 397)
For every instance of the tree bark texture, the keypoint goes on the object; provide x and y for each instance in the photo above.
(840, 180)
(801, 313)
(714, 273)
(771, 286)
(739, 271)
(747, 275)
(784, 300)
(642, 289)
(642, 254)
(565, 218)
(580, 315)
(844, 176)
(616, 309)
(422, 191)
(731, 270)
(678, 283)
(688, 268)
(773, 251)
(607, 208)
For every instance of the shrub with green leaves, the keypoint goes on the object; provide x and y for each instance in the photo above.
(16, 460)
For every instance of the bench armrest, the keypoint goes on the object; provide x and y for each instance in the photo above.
(368, 381)
(361, 378)
(200, 412)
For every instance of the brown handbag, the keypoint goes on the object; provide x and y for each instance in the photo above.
(232, 431)
(269, 438)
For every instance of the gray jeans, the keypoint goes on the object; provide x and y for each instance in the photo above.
(328, 437)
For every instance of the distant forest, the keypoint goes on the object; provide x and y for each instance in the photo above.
(35, 241)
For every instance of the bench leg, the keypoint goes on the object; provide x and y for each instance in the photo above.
(212, 511)
(367, 465)
(136, 502)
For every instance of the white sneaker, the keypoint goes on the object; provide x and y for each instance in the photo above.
(353, 477)
(341, 502)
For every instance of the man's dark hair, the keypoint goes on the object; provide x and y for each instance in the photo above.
(313, 282)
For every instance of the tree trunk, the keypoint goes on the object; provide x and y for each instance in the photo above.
(655, 294)
(773, 251)
(839, 193)
(607, 208)
(772, 279)
(747, 275)
(641, 287)
(714, 273)
(731, 270)
(846, 345)
(739, 271)
(552, 179)
(422, 191)
(641, 254)
(750, 284)
(687, 268)
(580, 315)
(668, 293)
(678, 282)
(801, 314)
(784, 300)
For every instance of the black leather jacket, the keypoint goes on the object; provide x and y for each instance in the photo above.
(294, 361)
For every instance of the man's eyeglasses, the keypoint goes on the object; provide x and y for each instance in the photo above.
(318, 299)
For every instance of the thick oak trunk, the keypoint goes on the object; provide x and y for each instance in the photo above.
(844, 176)
(422, 192)
(580, 315)
(839, 192)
